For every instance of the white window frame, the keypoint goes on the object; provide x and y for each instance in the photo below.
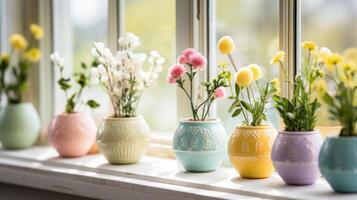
(195, 28)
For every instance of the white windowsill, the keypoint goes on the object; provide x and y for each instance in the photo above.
(151, 178)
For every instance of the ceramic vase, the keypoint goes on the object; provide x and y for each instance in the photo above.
(200, 146)
(338, 163)
(73, 134)
(123, 140)
(295, 156)
(19, 125)
(249, 150)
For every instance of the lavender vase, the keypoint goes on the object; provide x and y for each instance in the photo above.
(295, 156)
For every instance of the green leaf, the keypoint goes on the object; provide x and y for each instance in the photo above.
(246, 105)
(92, 104)
(237, 112)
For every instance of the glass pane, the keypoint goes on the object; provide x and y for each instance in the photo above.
(77, 25)
(253, 25)
(154, 22)
(330, 23)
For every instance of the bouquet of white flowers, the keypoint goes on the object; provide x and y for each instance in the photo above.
(122, 74)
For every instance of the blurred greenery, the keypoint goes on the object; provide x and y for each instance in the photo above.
(332, 24)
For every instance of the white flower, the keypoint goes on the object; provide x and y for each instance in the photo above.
(117, 92)
(57, 59)
(154, 54)
(101, 69)
(94, 80)
(118, 75)
(104, 78)
(160, 61)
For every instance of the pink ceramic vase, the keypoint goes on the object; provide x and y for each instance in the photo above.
(72, 135)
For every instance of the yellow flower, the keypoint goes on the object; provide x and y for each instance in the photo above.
(350, 55)
(278, 57)
(226, 45)
(5, 57)
(18, 42)
(347, 66)
(276, 84)
(333, 60)
(33, 55)
(309, 45)
(257, 72)
(37, 31)
(320, 87)
(324, 53)
(244, 77)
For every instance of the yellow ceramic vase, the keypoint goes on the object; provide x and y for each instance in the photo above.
(249, 151)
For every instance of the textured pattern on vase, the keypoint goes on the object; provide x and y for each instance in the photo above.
(19, 125)
(249, 150)
(338, 163)
(123, 140)
(295, 156)
(198, 138)
(72, 135)
(200, 146)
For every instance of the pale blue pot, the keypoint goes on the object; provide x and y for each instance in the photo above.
(338, 163)
(200, 146)
(19, 126)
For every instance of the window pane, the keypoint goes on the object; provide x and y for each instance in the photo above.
(330, 23)
(253, 25)
(77, 25)
(154, 22)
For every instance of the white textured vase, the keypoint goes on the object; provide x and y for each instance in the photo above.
(123, 140)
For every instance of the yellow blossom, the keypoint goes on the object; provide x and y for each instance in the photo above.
(320, 87)
(257, 72)
(309, 45)
(33, 55)
(331, 61)
(5, 57)
(226, 45)
(37, 31)
(18, 42)
(244, 77)
(278, 57)
(347, 66)
(350, 55)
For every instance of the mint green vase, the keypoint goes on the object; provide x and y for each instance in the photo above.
(19, 126)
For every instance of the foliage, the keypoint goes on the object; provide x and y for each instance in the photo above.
(81, 79)
(342, 100)
(300, 112)
(14, 67)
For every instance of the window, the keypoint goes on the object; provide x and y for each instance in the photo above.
(254, 27)
(330, 23)
(78, 24)
(154, 22)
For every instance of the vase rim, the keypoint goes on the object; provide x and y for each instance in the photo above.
(254, 127)
(189, 120)
(299, 132)
(124, 118)
(342, 138)
(65, 114)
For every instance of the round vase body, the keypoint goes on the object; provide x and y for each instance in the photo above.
(123, 140)
(72, 135)
(19, 125)
(200, 146)
(249, 150)
(295, 156)
(338, 163)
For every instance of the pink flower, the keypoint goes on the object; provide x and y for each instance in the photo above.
(198, 61)
(188, 52)
(175, 72)
(182, 59)
(171, 79)
(219, 92)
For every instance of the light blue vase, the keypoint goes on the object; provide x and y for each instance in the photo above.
(19, 126)
(200, 146)
(338, 163)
